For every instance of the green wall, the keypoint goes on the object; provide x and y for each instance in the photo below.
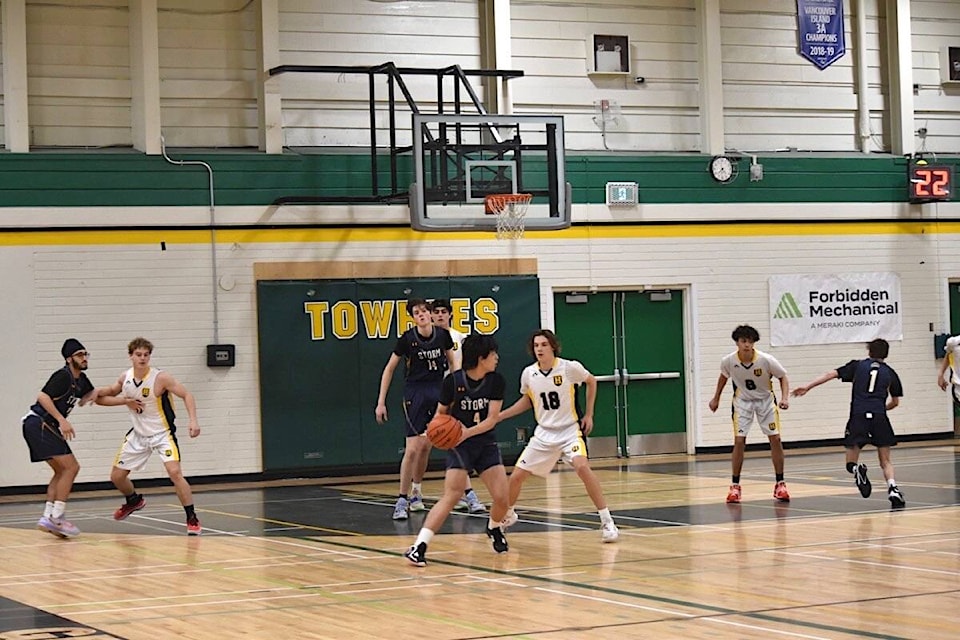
(128, 178)
(319, 378)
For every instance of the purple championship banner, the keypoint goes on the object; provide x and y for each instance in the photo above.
(820, 31)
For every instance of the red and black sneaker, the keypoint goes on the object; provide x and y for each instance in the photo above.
(129, 507)
(780, 492)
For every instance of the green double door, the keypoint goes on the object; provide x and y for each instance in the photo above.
(633, 343)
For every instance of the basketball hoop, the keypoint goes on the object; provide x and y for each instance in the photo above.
(510, 209)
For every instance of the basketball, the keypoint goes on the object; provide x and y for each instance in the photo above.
(444, 431)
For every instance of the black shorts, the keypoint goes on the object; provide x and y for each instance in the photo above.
(875, 430)
(474, 456)
(419, 405)
(45, 441)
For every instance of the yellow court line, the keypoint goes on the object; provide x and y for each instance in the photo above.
(281, 522)
(13, 237)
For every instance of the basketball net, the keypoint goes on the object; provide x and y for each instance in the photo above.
(511, 210)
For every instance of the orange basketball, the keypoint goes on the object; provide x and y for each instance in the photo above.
(444, 431)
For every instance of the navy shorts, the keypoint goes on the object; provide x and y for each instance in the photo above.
(419, 405)
(875, 430)
(474, 455)
(45, 441)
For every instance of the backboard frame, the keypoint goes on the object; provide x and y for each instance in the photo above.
(555, 214)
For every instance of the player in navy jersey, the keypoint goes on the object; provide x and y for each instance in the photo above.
(426, 351)
(474, 396)
(873, 381)
(47, 432)
(441, 310)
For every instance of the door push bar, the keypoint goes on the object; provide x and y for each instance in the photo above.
(614, 378)
(623, 377)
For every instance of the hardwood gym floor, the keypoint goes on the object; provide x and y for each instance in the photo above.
(322, 559)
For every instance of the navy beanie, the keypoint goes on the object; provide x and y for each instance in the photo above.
(70, 347)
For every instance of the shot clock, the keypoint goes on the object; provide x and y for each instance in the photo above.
(929, 182)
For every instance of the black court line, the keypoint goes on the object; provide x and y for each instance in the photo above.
(18, 620)
(274, 510)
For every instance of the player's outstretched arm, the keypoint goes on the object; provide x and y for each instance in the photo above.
(518, 407)
(109, 396)
(826, 377)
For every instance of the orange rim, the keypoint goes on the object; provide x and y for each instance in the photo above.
(497, 202)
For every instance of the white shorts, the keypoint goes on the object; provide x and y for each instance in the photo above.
(539, 457)
(137, 449)
(764, 411)
(956, 392)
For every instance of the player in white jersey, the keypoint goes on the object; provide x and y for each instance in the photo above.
(440, 311)
(752, 372)
(951, 360)
(549, 386)
(153, 429)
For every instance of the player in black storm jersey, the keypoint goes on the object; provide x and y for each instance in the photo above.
(474, 396)
(873, 381)
(426, 350)
(47, 432)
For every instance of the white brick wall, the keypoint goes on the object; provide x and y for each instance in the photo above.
(106, 292)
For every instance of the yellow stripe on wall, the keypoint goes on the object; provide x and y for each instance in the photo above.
(403, 234)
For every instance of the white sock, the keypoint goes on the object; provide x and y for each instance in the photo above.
(891, 483)
(605, 516)
(416, 491)
(425, 536)
(59, 506)
(493, 525)
(48, 509)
